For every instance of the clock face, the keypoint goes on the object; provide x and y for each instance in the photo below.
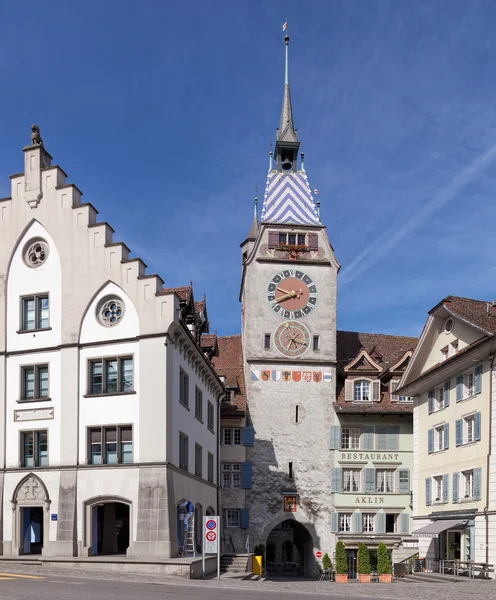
(292, 294)
(292, 339)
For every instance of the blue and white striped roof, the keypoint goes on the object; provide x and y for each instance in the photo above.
(288, 200)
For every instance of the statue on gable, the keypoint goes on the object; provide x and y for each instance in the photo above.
(36, 136)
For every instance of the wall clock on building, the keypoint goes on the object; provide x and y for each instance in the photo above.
(292, 294)
(292, 339)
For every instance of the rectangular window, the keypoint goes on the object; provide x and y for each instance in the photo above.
(183, 451)
(34, 448)
(391, 523)
(282, 239)
(387, 437)
(110, 376)
(292, 239)
(301, 239)
(384, 481)
(34, 382)
(361, 391)
(233, 517)
(231, 436)
(210, 416)
(210, 467)
(404, 480)
(350, 438)
(368, 521)
(290, 470)
(438, 438)
(267, 341)
(469, 384)
(198, 404)
(316, 342)
(351, 480)
(468, 484)
(405, 399)
(35, 313)
(184, 388)
(468, 429)
(440, 398)
(198, 460)
(438, 488)
(227, 436)
(237, 436)
(296, 413)
(344, 522)
(110, 445)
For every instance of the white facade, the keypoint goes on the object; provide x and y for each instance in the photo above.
(69, 377)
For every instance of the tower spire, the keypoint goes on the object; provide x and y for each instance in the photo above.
(286, 131)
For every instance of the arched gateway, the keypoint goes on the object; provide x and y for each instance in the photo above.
(30, 505)
(289, 550)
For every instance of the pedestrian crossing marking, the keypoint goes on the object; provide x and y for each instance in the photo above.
(6, 576)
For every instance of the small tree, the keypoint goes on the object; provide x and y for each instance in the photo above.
(341, 560)
(363, 556)
(260, 551)
(383, 560)
(326, 562)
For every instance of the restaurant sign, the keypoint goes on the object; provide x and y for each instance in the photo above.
(369, 456)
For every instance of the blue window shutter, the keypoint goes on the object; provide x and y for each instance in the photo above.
(459, 388)
(393, 437)
(246, 475)
(445, 488)
(273, 239)
(335, 438)
(404, 486)
(456, 477)
(430, 441)
(477, 426)
(477, 483)
(431, 401)
(244, 518)
(247, 436)
(446, 398)
(404, 523)
(336, 479)
(381, 436)
(428, 491)
(369, 481)
(458, 432)
(334, 522)
(446, 436)
(357, 522)
(478, 379)
(368, 437)
(472, 543)
(380, 522)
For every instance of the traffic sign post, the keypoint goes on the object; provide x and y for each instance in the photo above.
(210, 544)
(318, 554)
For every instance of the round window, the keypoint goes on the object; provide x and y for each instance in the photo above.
(36, 252)
(448, 325)
(110, 311)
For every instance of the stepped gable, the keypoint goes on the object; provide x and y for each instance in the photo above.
(228, 363)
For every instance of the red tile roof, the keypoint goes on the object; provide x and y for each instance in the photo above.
(184, 292)
(478, 312)
(208, 340)
(200, 306)
(229, 364)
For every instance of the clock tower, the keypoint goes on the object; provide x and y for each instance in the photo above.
(288, 295)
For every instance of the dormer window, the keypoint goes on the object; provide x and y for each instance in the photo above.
(361, 391)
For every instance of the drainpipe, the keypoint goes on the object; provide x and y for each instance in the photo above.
(488, 461)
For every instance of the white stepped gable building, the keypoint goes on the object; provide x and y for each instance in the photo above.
(100, 374)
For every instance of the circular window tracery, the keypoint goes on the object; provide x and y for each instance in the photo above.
(36, 253)
(111, 311)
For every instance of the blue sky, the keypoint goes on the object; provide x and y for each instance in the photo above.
(163, 113)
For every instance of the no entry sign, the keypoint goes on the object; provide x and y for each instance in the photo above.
(318, 554)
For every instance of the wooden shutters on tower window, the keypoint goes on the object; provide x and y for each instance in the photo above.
(273, 239)
(313, 241)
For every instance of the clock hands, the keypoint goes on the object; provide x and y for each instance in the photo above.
(290, 294)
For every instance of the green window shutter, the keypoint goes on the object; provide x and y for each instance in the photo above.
(477, 426)
(369, 487)
(404, 523)
(335, 438)
(357, 522)
(381, 436)
(458, 432)
(336, 480)
(428, 491)
(459, 388)
(393, 438)
(334, 522)
(404, 484)
(380, 522)
(478, 379)
(445, 488)
(368, 437)
(456, 479)
(477, 483)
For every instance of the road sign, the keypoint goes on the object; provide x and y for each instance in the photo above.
(211, 536)
(318, 554)
(211, 524)
(210, 543)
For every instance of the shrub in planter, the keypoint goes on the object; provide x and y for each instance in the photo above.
(341, 563)
(383, 564)
(327, 562)
(363, 557)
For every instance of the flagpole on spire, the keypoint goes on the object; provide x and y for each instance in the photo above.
(286, 42)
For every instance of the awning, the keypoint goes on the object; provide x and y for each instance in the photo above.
(434, 529)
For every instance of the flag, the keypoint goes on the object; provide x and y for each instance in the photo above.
(285, 26)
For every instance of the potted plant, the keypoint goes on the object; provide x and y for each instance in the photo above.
(383, 564)
(341, 563)
(363, 557)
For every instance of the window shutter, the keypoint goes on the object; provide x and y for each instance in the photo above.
(380, 522)
(376, 391)
(244, 518)
(247, 436)
(404, 486)
(445, 488)
(357, 522)
(446, 398)
(431, 401)
(368, 437)
(369, 481)
(459, 388)
(477, 426)
(393, 438)
(430, 441)
(381, 435)
(404, 523)
(334, 522)
(477, 483)
(273, 239)
(472, 543)
(336, 479)
(348, 390)
(313, 241)
(478, 379)
(393, 386)
(335, 438)
(459, 432)
(246, 475)
(446, 436)
(456, 477)
(428, 491)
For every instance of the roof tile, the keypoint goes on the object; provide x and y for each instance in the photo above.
(229, 364)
